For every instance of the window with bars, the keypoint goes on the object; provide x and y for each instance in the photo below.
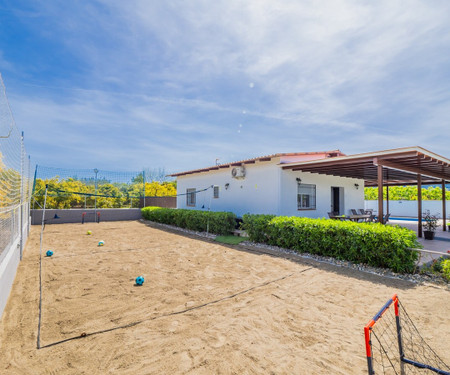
(190, 197)
(306, 197)
(216, 191)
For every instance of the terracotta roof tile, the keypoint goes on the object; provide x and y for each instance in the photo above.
(332, 153)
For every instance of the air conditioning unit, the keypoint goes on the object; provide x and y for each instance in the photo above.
(238, 172)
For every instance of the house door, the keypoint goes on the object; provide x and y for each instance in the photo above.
(336, 200)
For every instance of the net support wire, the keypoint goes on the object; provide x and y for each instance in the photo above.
(118, 196)
(38, 343)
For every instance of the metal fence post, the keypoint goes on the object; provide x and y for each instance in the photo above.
(143, 178)
(29, 196)
(21, 213)
(399, 336)
(95, 185)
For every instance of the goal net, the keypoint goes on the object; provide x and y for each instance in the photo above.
(395, 346)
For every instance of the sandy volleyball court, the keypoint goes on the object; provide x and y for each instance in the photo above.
(204, 308)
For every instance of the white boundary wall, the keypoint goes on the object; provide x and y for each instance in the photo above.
(9, 261)
(405, 208)
(73, 215)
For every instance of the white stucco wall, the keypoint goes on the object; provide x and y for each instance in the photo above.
(256, 193)
(267, 189)
(352, 197)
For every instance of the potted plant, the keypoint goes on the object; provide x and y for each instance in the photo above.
(429, 223)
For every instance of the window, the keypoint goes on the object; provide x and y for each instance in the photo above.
(190, 197)
(306, 197)
(216, 191)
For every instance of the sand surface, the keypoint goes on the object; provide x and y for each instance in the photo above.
(205, 308)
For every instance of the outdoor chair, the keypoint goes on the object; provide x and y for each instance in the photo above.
(332, 215)
(385, 218)
(362, 211)
(354, 212)
(371, 218)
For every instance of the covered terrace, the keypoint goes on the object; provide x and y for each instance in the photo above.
(401, 166)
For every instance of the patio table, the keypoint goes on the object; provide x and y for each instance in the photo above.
(358, 217)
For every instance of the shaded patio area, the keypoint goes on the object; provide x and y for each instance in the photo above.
(402, 166)
(433, 249)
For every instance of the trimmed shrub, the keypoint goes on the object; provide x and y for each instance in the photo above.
(446, 269)
(219, 222)
(373, 244)
(256, 226)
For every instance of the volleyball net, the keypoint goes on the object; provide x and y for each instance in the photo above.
(94, 188)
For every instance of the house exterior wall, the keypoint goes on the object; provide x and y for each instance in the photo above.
(257, 193)
(267, 189)
(352, 197)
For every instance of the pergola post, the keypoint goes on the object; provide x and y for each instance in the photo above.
(444, 213)
(387, 199)
(419, 204)
(380, 193)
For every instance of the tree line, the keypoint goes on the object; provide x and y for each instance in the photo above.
(78, 193)
(408, 193)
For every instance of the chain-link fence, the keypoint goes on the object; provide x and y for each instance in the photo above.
(15, 180)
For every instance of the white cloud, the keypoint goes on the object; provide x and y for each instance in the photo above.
(299, 75)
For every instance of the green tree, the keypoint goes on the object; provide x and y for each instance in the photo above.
(406, 193)
(75, 193)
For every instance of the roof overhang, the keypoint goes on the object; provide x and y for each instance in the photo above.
(333, 153)
(400, 166)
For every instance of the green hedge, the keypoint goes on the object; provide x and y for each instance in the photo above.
(446, 269)
(219, 222)
(367, 243)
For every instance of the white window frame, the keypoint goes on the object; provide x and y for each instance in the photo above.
(190, 197)
(306, 201)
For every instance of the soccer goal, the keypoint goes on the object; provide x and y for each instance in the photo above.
(90, 217)
(395, 346)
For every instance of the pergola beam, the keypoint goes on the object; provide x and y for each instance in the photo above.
(344, 160)
(374, 183)
(390, 164)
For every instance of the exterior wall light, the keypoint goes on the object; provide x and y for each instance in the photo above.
(298, 179)
(356, 186)
(227, 185)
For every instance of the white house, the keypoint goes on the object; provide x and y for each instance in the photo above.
(261, 186)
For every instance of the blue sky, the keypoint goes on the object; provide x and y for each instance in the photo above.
(123, 85)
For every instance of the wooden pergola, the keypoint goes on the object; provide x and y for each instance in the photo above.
(402, 166)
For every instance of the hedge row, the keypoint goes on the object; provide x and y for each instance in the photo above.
(373, 244)
(446, 269)
(218, 222)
